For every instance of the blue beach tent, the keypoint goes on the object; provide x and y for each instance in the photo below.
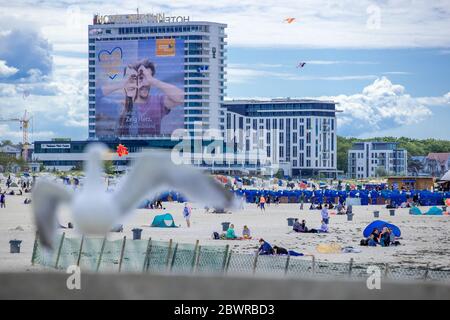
(379, 224)
(164, 221)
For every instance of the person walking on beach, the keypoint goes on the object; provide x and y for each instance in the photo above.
(187, 214)
(302, 200)
(262, 202)
(325, 215)
(2, 200)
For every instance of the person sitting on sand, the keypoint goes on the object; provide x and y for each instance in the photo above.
(376, 235)
(246, 233)
(371, 241)
(231, 235)
(300, 227)
(265, 248)
(323, 227)
(385, 237)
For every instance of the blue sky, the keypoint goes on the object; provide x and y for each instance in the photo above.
(386, 62)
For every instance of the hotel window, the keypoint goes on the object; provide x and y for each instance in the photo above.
(294, 152)
(281, 152)
(294, 137)
(308, 151)
(308, 137)
(301, 144)
(281, 137)
(308, 124)
(281, 124)
(294, 124)
(302, 131)
(302, 159)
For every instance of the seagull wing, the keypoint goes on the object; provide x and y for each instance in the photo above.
(155, 172)
(46, 197)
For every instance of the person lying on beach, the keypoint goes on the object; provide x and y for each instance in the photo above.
(246, 233)
(265, 248)
(284, 252)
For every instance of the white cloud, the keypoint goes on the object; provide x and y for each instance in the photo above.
(6, 71)
(380, 106)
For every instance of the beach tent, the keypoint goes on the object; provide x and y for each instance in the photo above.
(164, 221)
(434, 211)
(379, 224)
(415, 211)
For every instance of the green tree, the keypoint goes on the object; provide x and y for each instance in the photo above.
(109, 167)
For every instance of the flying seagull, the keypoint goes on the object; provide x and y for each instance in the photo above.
(94, 211)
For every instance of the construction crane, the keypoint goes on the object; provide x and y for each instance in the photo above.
(24, 126)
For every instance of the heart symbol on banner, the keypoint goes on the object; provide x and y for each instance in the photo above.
(111, 61)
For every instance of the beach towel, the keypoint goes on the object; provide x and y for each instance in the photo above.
(329, 248)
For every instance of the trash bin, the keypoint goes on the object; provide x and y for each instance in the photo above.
(392, 212)
(290, 221)
(350, 217)
(444, 209)
(14, 246)
(376, 214)
(137, 233)
(225, 226)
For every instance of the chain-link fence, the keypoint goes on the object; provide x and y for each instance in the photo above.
(126, 255)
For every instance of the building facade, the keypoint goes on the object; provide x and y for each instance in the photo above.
(204, 61)
(298, 136)
(371, 159)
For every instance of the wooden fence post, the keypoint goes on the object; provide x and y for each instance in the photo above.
(122, 252)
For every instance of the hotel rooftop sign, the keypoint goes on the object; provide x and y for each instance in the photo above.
(138, 18)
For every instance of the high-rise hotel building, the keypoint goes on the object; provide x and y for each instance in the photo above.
(204, 61)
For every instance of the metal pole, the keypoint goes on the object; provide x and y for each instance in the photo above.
(425, 276)
(386, 270)
(81, 250)
(122, 251)
(255, 262)
(147, 255)
(101, 255)
(228, 261)
(59, 250)
(169, 252)
(35, 246)
(197, 260)
(313, 264)
(196, 255)
(350, 267)
(287, 264)
(224, 264)
(174, 256)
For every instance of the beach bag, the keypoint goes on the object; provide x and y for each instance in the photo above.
(364, 242)
(215, 236)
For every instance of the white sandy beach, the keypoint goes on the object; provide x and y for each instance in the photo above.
(425, 239)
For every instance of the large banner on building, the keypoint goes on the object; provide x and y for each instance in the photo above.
(139, 87)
